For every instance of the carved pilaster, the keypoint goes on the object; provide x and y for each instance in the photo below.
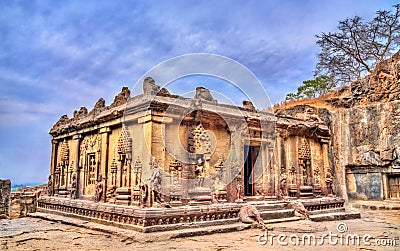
(104, 132)
(75, 160)
(326, 168)
(53, 163)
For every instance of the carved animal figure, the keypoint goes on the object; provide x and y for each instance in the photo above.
(309, 116)
(300, 210)
(249, 214)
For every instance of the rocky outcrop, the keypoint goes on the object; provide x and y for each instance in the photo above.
(381, 86)
(366, 142)
(303, 120)
(24, 200)
(5, 189)
(366, 135)
(364, 120)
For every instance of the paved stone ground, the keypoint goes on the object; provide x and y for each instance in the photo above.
(37, 234)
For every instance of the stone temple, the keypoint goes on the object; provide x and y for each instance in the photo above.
(159, 161)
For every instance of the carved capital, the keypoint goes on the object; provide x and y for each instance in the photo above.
(105, 130)
(77, 137)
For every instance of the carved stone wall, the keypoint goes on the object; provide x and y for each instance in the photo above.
(194, 154)
(5, 190)
(366, 148)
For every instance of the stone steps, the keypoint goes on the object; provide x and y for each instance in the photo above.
(277, 214)
(327, 211)
(270, 206)
(335, 216)
(272, 221)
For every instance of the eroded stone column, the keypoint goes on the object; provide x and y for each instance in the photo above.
(76, 141)
(104, 132)
(385, 185)
(53, 164)
(326, 168)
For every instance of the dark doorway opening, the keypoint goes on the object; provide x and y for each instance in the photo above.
(250, 157)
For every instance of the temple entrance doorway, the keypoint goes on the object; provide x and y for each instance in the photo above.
(394, 186)
(250, 157)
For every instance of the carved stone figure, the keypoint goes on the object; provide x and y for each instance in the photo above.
(204, 94)
(309, 116)
(248, 105)
(249, 214)
(155, 181)
(50, 190)
(329, 182)
(121, 97)
(99, 106)
(282, 185)
(74, 186)
(150, 87)
(239, 192)
(144, 194)
(80, 113)
(300, 210)
(199, 171)
(99, 189)
(62, 121)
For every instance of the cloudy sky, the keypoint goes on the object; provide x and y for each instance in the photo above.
(56, 56)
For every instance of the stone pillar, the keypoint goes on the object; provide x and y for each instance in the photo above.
(385, 186)
(236, 172)
(144, 136)
(326, 165)
(53, 161)
(105, 131)
(76, 142)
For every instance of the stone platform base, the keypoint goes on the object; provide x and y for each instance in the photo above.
(183, 217)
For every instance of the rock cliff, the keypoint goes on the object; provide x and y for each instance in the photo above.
(364, 119)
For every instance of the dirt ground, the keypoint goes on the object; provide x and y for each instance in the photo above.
(380, 229)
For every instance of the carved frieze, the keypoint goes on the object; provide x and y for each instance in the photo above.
(90, 144)
(199, 141)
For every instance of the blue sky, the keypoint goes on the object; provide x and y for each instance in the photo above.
(56, 56)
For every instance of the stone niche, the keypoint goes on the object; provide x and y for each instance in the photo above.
(5, 191)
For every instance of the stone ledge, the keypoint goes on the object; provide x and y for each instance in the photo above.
(336, 216)
(376, 205)
(140, 236)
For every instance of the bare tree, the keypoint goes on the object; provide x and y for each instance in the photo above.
(355, 49)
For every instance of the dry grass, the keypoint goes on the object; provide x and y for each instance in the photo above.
(319, 102)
